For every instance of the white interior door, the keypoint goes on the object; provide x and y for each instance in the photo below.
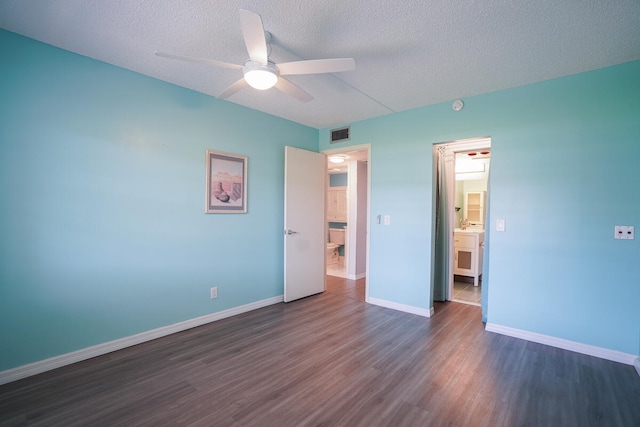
(304, 223)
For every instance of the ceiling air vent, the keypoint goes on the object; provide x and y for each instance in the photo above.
(339, 135)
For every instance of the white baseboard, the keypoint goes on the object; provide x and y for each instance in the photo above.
(590, 350)
(401, 307)
(637, 365)
(24, 371)
(356, 276)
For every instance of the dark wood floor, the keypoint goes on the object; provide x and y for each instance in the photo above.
(353, 289)
(332, 360)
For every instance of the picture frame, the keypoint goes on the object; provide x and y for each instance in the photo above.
(226, 183)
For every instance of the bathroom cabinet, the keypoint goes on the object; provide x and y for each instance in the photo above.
(337, 204)
(474, 207)
(468, 247)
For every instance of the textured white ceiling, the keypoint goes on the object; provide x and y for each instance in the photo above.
(409, 53)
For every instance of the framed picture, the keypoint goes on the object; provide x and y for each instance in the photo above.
(226, 183)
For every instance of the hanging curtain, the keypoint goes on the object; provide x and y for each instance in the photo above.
(443, 227)
(485, 260)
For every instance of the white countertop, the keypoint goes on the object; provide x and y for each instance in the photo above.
(468, 230)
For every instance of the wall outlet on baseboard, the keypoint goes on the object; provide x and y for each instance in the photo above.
(214, 292)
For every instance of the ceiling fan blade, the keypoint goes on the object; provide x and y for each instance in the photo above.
(200, 60)
(240, 84)
(254, 37)
(290, 89)
(316, 66)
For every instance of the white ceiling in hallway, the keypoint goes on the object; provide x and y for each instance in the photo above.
(408, 54)
(359, 156)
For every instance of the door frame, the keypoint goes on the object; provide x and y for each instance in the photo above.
(344, 150)
(457, 146)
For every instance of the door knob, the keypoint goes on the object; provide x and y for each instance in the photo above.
(291, 232)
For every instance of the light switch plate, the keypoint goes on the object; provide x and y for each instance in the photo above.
(387, 219)
(624, 232)
(500, 225)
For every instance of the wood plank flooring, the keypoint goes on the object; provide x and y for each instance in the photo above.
(332, 360)
(354, 289)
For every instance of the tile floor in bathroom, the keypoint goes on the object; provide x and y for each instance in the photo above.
(338, 270)
(467, 293)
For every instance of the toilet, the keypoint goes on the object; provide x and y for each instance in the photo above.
(336, 239)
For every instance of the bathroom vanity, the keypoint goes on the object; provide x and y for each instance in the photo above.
(468, 247)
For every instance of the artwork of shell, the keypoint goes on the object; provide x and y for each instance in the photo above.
(226, 186)
(226, 182)
(236, 192)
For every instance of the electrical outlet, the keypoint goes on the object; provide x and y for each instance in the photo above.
(214, 293)
(624, 232)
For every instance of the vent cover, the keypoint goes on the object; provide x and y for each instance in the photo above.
(339, 135)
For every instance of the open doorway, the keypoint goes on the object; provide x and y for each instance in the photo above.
(470, 205)
(460, 191)
(347, 216)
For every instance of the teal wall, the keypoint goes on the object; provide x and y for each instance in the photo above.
(102, 224)
(564, 171)
(102, 201)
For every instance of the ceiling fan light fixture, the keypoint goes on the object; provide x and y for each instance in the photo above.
(260, 76)
(260, 73)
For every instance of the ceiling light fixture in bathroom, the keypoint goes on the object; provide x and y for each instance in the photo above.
(337, 159)
(479, 155)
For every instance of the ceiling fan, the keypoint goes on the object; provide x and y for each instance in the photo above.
(259, 72)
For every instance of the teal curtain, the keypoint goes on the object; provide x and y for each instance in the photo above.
(443, 230)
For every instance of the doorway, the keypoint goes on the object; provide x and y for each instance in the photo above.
(470, 205)
(460, 189)
(348, 190)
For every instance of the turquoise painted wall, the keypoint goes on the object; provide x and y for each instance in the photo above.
(564, 171)
(102, 187)
(102, 203)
